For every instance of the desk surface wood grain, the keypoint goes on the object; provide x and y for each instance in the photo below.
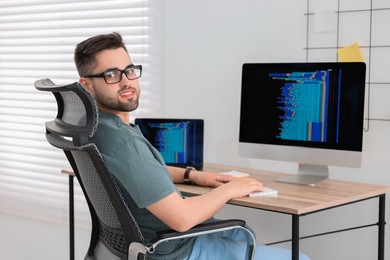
(292, 198)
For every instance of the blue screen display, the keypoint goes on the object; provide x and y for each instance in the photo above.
(303, 104)
(180, 141)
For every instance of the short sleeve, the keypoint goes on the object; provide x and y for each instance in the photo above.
(141, 171)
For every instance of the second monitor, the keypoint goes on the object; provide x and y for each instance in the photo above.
(180, 141)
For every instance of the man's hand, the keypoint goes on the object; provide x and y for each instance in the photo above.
(236, 186)
(209, 179)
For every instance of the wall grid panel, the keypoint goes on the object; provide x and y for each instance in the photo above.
(361, 22)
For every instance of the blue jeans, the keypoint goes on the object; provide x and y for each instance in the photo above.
(232, 245)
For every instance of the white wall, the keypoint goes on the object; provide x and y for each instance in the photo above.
(206, 43)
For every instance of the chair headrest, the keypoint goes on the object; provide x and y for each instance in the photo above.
(77, 115)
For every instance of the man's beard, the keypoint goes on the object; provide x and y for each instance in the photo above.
(114, 104)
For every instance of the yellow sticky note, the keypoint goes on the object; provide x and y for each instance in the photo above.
(350, 53)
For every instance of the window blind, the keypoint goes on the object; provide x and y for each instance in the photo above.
(37, 40)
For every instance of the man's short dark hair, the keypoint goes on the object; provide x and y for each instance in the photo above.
(85, 52)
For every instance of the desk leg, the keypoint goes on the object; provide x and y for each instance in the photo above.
(295, 238)
(381, 227)
(71, 218)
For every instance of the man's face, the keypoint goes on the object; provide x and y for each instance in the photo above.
(113, 98)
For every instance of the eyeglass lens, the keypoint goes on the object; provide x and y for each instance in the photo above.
(114, 76)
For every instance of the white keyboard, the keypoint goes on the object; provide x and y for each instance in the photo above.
(265, 192)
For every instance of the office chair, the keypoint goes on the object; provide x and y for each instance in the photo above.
(115, 233)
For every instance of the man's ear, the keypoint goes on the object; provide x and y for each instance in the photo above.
(86, 84)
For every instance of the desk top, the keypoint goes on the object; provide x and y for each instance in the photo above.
(294, 198)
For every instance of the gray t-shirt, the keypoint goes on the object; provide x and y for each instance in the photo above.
(142, 173)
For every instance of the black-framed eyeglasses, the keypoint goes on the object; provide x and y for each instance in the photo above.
(113, 76)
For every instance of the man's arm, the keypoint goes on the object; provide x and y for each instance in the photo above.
(201, 178)
(182, 214)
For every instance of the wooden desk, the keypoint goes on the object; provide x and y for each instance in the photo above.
(71, 176)
(299, 200)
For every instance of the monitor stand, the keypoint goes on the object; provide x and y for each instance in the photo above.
(308, 174)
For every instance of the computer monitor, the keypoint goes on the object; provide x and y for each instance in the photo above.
(180, 141)
(309, 113)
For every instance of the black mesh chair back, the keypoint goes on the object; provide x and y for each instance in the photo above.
(115, 233)
(76, 122)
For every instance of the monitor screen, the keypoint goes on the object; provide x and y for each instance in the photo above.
(180, 141)
(303, 112)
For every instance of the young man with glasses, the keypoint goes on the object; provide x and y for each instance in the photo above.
(107, 71)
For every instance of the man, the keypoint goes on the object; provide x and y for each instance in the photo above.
(107, 71)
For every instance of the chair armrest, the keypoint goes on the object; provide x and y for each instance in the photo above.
(202, 228)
